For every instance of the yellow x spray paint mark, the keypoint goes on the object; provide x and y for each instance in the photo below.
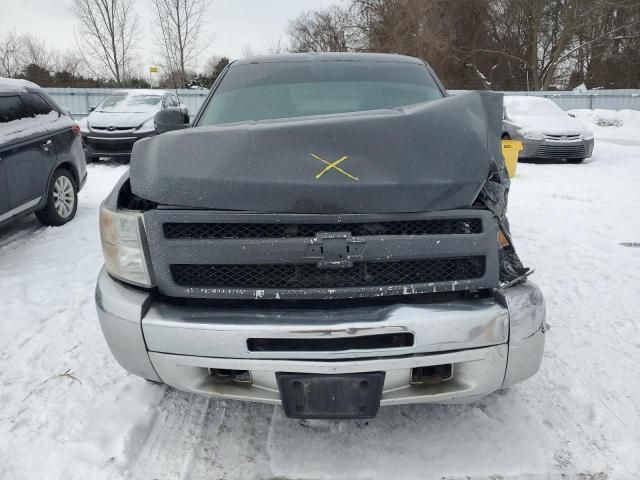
(334, 166)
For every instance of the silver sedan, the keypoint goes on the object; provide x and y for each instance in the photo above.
(545, 130)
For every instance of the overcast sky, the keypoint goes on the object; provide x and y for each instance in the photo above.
(232, 23)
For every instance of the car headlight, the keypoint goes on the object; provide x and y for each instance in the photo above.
(148, 126)
(531, 135)
(121, 233)
(587, 135)
(84, 126)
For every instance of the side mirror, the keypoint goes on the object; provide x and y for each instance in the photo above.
(572, 115)
(168, 119)
(92, 108)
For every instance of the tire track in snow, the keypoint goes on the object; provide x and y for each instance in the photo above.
(238, 447)
(194, 437)
(167, 451)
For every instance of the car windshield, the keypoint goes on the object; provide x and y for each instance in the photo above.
(130, 102)
(530, 107)
(296, 89)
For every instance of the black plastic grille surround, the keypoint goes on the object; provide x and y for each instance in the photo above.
(361, 274)
(287, 230)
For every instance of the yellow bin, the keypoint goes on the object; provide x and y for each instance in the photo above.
(510, 150)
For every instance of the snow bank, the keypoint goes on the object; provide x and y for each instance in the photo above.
(618, 126)
(67, 409)
(578, 418)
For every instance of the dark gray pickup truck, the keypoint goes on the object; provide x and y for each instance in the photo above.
(329, 236)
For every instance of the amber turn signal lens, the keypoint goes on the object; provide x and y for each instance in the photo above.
(502, 239)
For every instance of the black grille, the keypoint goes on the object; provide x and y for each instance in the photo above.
(112, 129)
(285, 230)
(120, 147)
(362, 274)
(561, 151)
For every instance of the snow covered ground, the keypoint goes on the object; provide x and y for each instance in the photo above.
(68, 411)
(622, 127)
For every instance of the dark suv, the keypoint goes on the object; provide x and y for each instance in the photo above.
(42, 164)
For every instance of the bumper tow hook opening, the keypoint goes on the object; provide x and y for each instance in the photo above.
(432, 374)
(224, 375)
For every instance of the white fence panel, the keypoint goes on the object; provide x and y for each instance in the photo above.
(606, 99)
(78, 100)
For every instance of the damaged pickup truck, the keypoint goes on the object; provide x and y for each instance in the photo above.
(329, 236)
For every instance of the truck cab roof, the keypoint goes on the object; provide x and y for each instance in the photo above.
(329, 56)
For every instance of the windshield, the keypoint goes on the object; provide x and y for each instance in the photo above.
(529, 107)
(297, 89)
(130, 102)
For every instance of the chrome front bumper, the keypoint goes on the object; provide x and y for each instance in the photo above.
(491, 343)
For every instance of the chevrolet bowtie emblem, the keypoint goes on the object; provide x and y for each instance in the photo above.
(333, 166)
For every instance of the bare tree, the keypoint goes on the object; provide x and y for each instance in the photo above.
(275, 46)
(11, 55)
(548, 38)
(108, 35)
(247, 51)
(332, 30)
(69, 62)
(35, 52)
(179, 28)
(510, 44)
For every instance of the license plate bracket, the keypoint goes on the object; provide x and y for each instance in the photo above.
(319, 396)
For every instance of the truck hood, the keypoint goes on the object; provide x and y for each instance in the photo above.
(118, 119)
(426, 157)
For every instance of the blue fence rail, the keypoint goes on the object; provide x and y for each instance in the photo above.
(78, 100)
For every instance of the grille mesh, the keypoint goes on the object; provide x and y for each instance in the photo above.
(111, 146)
(284, 230)
(561, 151)
(362, 274)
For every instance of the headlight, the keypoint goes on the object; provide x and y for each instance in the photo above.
(587, 135)
(148, 126)
(531, 135)
(124, 255)
(84, 125)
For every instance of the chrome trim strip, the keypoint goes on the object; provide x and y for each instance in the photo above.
(21, 208)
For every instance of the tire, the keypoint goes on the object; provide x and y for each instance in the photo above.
(62, 199)
(575, 160)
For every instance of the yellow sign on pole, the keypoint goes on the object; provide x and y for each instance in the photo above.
(153, 69)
